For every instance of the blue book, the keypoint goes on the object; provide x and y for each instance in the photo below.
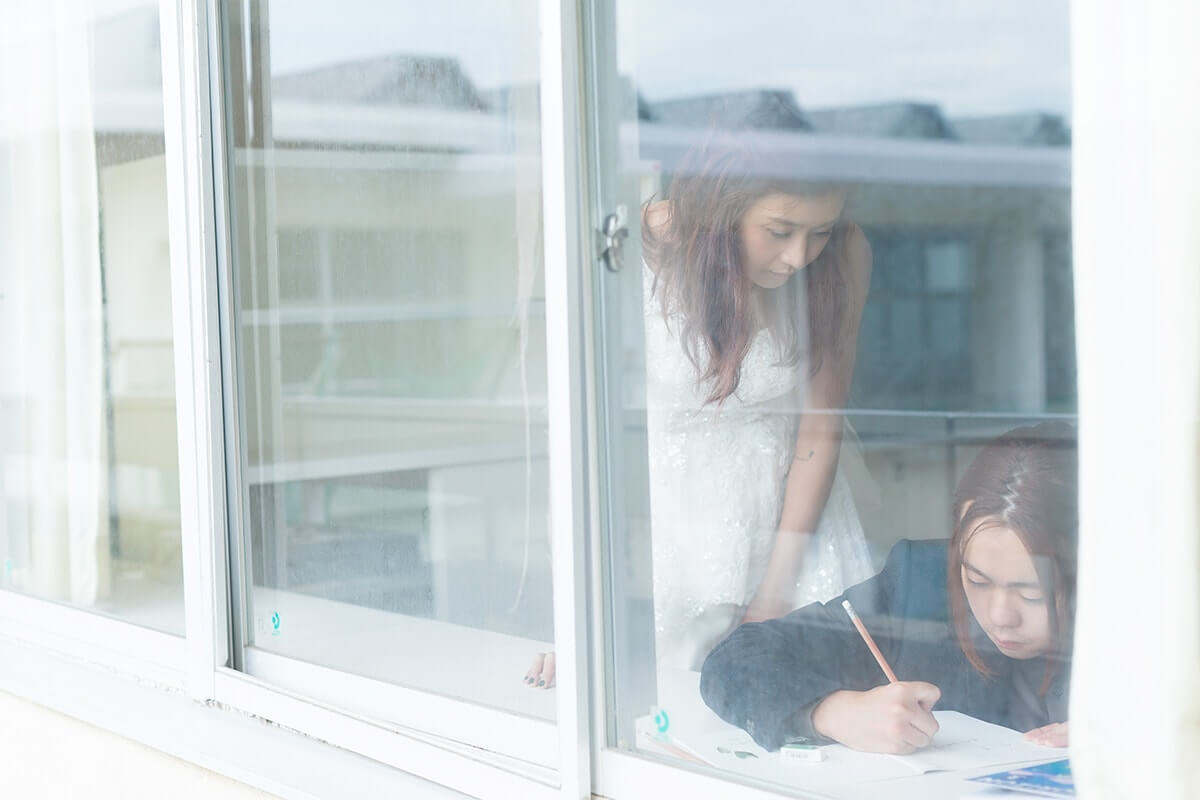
(1050, 780)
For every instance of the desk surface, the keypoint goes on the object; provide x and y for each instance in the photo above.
(844, 774)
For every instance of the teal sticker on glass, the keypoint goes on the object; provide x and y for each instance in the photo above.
(662, 722)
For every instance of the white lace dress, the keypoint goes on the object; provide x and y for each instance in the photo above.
(717, 482)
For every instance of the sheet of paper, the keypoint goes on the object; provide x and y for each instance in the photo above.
(964, 742)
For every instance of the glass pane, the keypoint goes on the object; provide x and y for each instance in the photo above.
(947, 268)
(89, 482)
(389, 325)
(850, 275)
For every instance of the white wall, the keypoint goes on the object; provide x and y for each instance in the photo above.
(46, 754)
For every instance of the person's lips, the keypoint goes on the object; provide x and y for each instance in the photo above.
(1005, 644)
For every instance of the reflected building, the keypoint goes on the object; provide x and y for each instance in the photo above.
(369, 271)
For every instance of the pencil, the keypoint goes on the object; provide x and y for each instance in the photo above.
(865, 634)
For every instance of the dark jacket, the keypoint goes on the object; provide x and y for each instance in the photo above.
(766, 677)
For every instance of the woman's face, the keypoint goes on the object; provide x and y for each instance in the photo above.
(783, 233)
(1005, 594)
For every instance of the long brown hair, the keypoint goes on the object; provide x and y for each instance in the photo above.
(1027, 481)
(698, 263)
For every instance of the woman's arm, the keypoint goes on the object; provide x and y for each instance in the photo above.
(769, 678)
(818, 443)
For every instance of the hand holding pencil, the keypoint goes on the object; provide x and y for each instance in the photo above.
(894, 718)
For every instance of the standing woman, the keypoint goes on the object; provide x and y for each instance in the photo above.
(754, 289)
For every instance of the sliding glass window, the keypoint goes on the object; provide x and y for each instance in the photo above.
(386, 324)
(848, 272)
(89, 474)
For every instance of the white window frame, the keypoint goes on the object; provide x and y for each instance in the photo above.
(155, 656)
(123, 677)
(101, 652)
(200, 236)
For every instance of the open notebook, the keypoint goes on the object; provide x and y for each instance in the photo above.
(961, 743)
(691, 731)
(964, 742)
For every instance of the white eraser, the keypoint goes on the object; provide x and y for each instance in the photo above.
(801, 752)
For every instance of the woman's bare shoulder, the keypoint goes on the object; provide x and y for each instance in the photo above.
(656, 216)
(656, 219)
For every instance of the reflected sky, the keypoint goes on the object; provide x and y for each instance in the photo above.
(978, 57)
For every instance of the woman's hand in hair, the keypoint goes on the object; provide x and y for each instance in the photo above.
(1053, 735)
(895, 718)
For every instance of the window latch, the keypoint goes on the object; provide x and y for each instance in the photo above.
(613, 234)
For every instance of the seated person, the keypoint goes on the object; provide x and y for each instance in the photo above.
(981, 623)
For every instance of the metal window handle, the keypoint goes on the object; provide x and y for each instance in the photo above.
(613, 235)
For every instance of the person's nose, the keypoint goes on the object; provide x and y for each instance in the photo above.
(795, 255)
(1003, 611)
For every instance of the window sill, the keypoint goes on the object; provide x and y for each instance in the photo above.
(238, 745)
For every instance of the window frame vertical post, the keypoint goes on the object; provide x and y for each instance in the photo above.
(566, 253)
(191, 213)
